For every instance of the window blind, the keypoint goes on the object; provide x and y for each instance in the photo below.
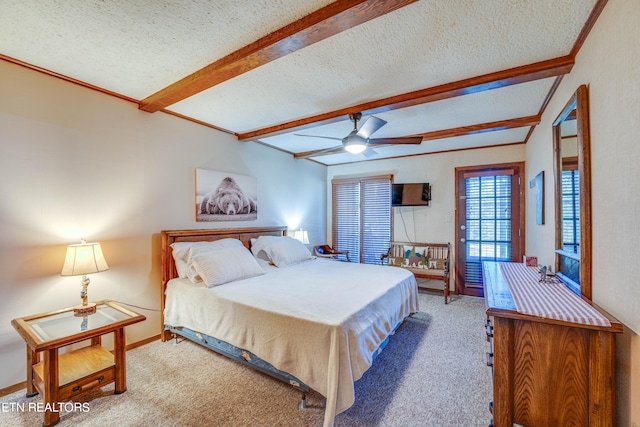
(346, 217)
(571, 210)
(376, 219)
(362, 217)
(488, 222)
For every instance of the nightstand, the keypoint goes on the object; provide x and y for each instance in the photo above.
(60, 378)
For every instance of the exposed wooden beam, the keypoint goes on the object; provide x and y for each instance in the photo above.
(447, 133)
(480, 128)
(522, 74)
(318, 153)
(484, 147)
(332, 19)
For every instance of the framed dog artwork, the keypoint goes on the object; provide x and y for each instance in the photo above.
(222, 196)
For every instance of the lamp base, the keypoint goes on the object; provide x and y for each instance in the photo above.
(84, 309)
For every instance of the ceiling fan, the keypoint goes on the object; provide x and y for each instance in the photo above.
(359, 141)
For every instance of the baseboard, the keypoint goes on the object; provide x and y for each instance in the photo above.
(142, 342)
(23, 385)
(12, 388)
(437, 291)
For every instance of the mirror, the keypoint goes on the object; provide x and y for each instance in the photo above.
(572, 176)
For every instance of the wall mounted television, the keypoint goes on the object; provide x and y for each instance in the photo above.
(410, 194)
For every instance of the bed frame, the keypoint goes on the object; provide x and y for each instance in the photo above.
(169, 272)
(168, 265)
(245, 357)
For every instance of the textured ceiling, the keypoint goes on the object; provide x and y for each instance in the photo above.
(135, 48)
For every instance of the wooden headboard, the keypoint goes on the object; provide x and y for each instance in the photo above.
(168, 237)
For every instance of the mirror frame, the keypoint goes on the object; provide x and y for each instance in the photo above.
(580, 103)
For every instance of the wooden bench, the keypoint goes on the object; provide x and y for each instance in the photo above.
(424, 260)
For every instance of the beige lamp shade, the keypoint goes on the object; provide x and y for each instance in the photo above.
(84, 258)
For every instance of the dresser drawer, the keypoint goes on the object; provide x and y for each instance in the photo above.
(79, 371)
(88, 383)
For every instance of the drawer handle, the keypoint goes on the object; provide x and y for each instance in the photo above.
(489, 332)
(489, 359)
(89, 385)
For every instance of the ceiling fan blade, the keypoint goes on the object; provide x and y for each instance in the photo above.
(396, 141)
(323, 152)
(318, 136)
(370, 126)
(369, 153)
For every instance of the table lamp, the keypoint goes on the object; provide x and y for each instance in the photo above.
(302, 236)
(82, 259)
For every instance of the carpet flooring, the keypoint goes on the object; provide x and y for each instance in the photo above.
(432, 374)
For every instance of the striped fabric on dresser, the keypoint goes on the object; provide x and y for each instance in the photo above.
(551, 300)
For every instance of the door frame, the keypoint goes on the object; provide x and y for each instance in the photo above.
(517, 214)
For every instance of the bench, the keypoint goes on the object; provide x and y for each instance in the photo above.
(424, 260)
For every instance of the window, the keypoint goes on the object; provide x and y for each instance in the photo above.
(362, 217)
(571, 211)
(488, 213)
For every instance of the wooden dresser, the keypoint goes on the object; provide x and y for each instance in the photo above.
(546, 372)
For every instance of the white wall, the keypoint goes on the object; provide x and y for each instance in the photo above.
(77, 163)
(434, 223)
(608, 63)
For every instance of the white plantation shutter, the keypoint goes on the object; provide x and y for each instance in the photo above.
(362, 217)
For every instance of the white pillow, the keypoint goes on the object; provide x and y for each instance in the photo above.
(225, 265)
(179, 252)
(258, 245)
(287, 251)
(182, 252)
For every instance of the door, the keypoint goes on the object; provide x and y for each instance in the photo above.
(489, 221)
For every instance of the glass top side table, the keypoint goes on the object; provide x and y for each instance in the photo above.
(60, 378)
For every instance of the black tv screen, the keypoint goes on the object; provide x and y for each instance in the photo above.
(417, 194)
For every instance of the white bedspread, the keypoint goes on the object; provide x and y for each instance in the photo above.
(319, 320)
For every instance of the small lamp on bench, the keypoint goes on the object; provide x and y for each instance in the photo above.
(82, 259)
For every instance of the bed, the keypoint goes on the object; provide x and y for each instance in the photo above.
(313, 323)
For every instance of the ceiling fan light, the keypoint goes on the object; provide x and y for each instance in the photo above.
(355, 147)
